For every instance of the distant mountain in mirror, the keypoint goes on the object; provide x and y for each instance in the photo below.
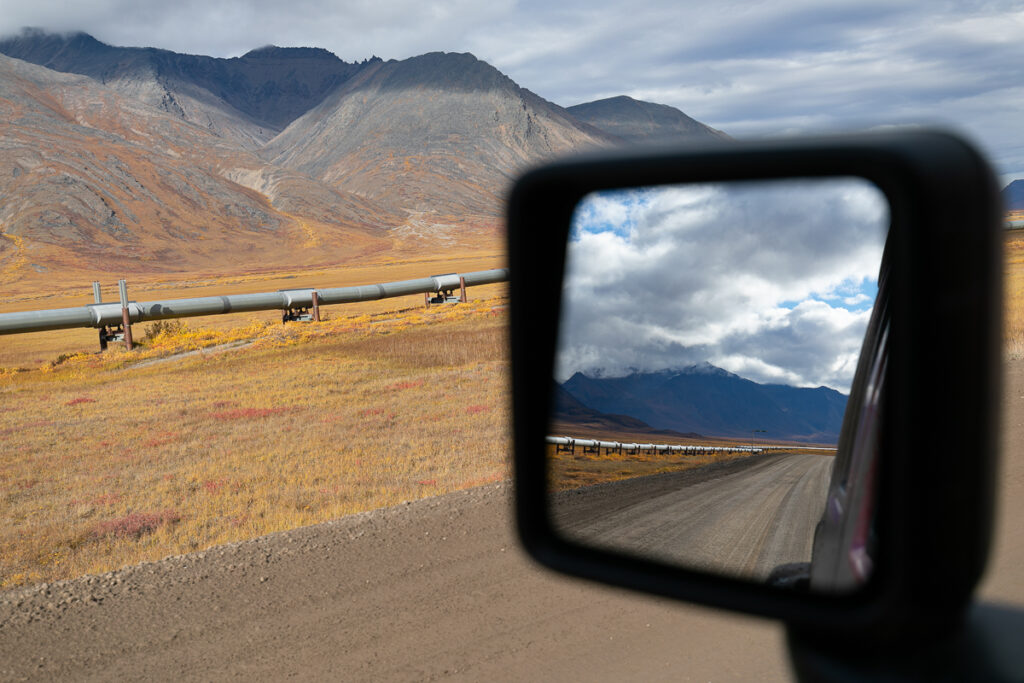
(711, 401)
(1013, 196)
(571, 414)
(644, 123)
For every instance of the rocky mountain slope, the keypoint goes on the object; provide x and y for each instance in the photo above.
(713, 402)
(93, 180)
(149, 160)
(444, 133)
(248, 99)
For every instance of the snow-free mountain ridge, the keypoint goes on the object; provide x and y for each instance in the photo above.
(139, 159)
(644, 123)
(713, 402)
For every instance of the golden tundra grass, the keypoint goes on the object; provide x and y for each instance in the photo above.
(116, 458)
(1013, 330)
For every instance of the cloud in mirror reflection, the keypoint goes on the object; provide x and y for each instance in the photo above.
(773, 281)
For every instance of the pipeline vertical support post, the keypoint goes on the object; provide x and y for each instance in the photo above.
(316, 307)
(426, 300)
(462, 289)
(126, 318)
(98, 298)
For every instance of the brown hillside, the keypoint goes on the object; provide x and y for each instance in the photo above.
(151, 162)
(94, 181)
(442, 134)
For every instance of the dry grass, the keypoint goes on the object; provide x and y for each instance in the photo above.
(116, 458)
(1013, 330)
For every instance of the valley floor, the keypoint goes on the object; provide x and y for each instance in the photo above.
(206, 436)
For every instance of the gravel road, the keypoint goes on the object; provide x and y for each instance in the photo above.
(434, 589)
(743, 519)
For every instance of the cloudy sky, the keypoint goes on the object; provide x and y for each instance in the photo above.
(773, 281)
(748, 68)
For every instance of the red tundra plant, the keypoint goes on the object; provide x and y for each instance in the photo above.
(214, 485)
(80, 399)
(136, 524)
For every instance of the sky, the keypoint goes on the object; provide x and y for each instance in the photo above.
(752, 69)
(773, 281)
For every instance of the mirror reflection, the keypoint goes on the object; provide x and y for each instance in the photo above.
(710, 343)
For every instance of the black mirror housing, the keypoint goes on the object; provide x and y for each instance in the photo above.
(939, 435)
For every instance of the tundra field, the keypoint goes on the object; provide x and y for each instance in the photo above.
(1013, 330)
(225, 428)
(208, 435)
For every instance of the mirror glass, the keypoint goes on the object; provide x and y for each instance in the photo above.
(709, 346)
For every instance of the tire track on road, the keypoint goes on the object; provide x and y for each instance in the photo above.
(745, 522)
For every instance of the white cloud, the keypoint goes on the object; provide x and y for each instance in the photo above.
(766, 280)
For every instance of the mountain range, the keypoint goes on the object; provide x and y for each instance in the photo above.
(707, 400)
(643, 123)
(141, 159)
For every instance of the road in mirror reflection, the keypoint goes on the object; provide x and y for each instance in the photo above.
(709, 339)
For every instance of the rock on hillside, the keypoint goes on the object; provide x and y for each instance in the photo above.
(442, 133)
(644, 123)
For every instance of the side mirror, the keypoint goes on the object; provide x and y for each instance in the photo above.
(634, 455)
